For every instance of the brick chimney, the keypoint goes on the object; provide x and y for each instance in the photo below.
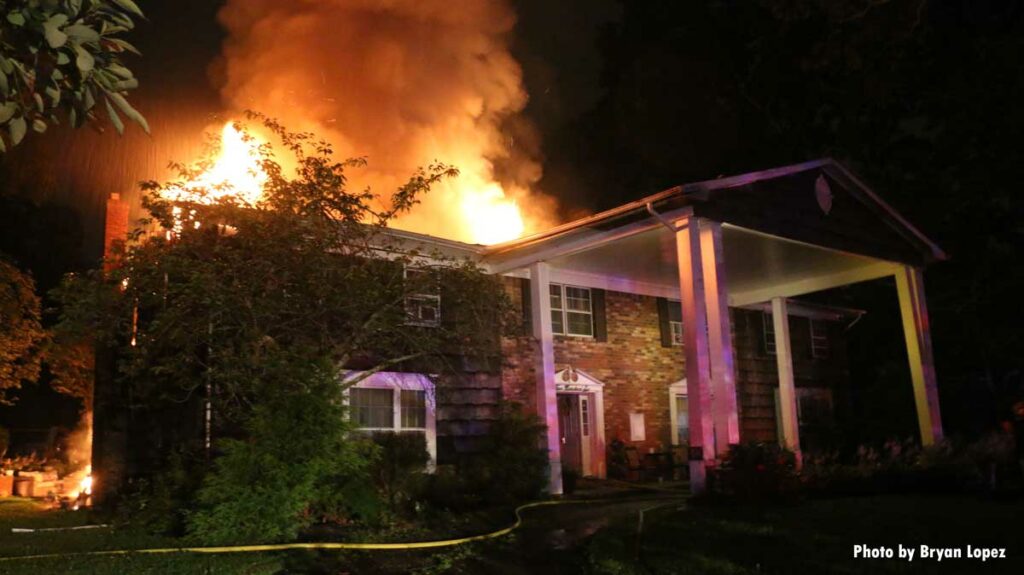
(115, 230)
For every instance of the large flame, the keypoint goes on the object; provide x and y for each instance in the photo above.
(486, 214)
(235, 171)
(402, 83)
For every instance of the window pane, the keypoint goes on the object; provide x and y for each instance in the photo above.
(579, 323)
(769, 333)
(423, 309)
(677, 332)
(372, 408)
(556, 296)
(556, 321)
(414, 409)
(682, 419)
(675, 311)
(577, 299)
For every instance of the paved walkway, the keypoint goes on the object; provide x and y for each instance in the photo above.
(550, 538)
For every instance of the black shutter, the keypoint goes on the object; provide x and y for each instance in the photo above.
(666, 329)
(526, 306)
(600, 321)
(449, 303)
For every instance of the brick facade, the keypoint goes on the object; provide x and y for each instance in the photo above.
(636, 369)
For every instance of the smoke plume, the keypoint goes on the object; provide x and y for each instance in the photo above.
(403, 83)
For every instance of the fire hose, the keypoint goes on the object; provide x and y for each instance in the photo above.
(329, 545)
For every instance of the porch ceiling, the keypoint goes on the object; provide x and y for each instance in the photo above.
(758, 266)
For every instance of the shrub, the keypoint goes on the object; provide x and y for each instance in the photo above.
(398, 468)
(901, 467)
(287, 473)
(509, 467)
(159, 504)
(755, 472)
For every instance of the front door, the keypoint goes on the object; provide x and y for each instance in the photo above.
(569, 430)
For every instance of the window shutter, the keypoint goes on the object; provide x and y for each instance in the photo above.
(449, 302)
(524, 293)
(600, 321)
(666, 329)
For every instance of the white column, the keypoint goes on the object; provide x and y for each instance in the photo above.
(910, 287)
(695, 346)
(787, 389)
(723, 371)
(544, 367)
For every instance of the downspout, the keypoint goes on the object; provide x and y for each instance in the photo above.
(661, 219)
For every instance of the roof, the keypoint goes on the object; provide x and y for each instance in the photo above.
(819, 202)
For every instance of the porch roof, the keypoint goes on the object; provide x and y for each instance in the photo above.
(818, 203)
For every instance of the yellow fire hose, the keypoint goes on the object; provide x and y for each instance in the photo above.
(334, 545)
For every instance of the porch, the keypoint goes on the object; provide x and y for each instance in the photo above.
(753, 239)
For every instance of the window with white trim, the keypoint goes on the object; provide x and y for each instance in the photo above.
(679, 412)
(675, 321)
(423, 298)
(769, 333)
(572, 311)
(397, 402)
(819, 339)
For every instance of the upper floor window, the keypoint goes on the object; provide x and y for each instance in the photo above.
(423, 298)
(572, 310)
(819, 339)
(675, 322)
(769, 333)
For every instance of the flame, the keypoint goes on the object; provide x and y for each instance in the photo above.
(236, 171)
(85, 486)
(490, 216)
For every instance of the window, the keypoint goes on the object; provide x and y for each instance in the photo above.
(372, 408)
(585, 416)
(679, 413)
(819, 339)
(423, 298)
(682, 426)
(769, 333)
(675, 321)
(397, 402)
(571, 311)
(413, 406)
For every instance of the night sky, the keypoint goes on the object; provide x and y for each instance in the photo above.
(923, 99)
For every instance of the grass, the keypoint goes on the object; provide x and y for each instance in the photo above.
(817, 536)
(26, 513)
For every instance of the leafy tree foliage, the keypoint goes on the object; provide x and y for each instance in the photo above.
(21, 334)
(59, 59)
(262, 308)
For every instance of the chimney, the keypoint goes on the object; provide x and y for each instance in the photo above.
(115, 231)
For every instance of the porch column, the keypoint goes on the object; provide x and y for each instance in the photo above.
(544, 367)
(910, 287)
(723, 373)
(787, 390)
(696, 348)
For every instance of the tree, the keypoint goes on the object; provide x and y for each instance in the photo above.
(59, 59)
(21, 334)
(216, 293)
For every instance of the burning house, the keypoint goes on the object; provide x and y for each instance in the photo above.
(669, 321)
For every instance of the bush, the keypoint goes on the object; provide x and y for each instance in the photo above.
(399, 467)
(755, 472)
(159, 504)
(290, 470)
(902, 467)
(510, 466)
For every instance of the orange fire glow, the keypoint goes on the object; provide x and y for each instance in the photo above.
(485, 213)
(235, 172)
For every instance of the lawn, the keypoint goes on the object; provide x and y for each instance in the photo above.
(25, 513)
(816, 536)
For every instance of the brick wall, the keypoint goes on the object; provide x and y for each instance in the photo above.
(637, 370)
